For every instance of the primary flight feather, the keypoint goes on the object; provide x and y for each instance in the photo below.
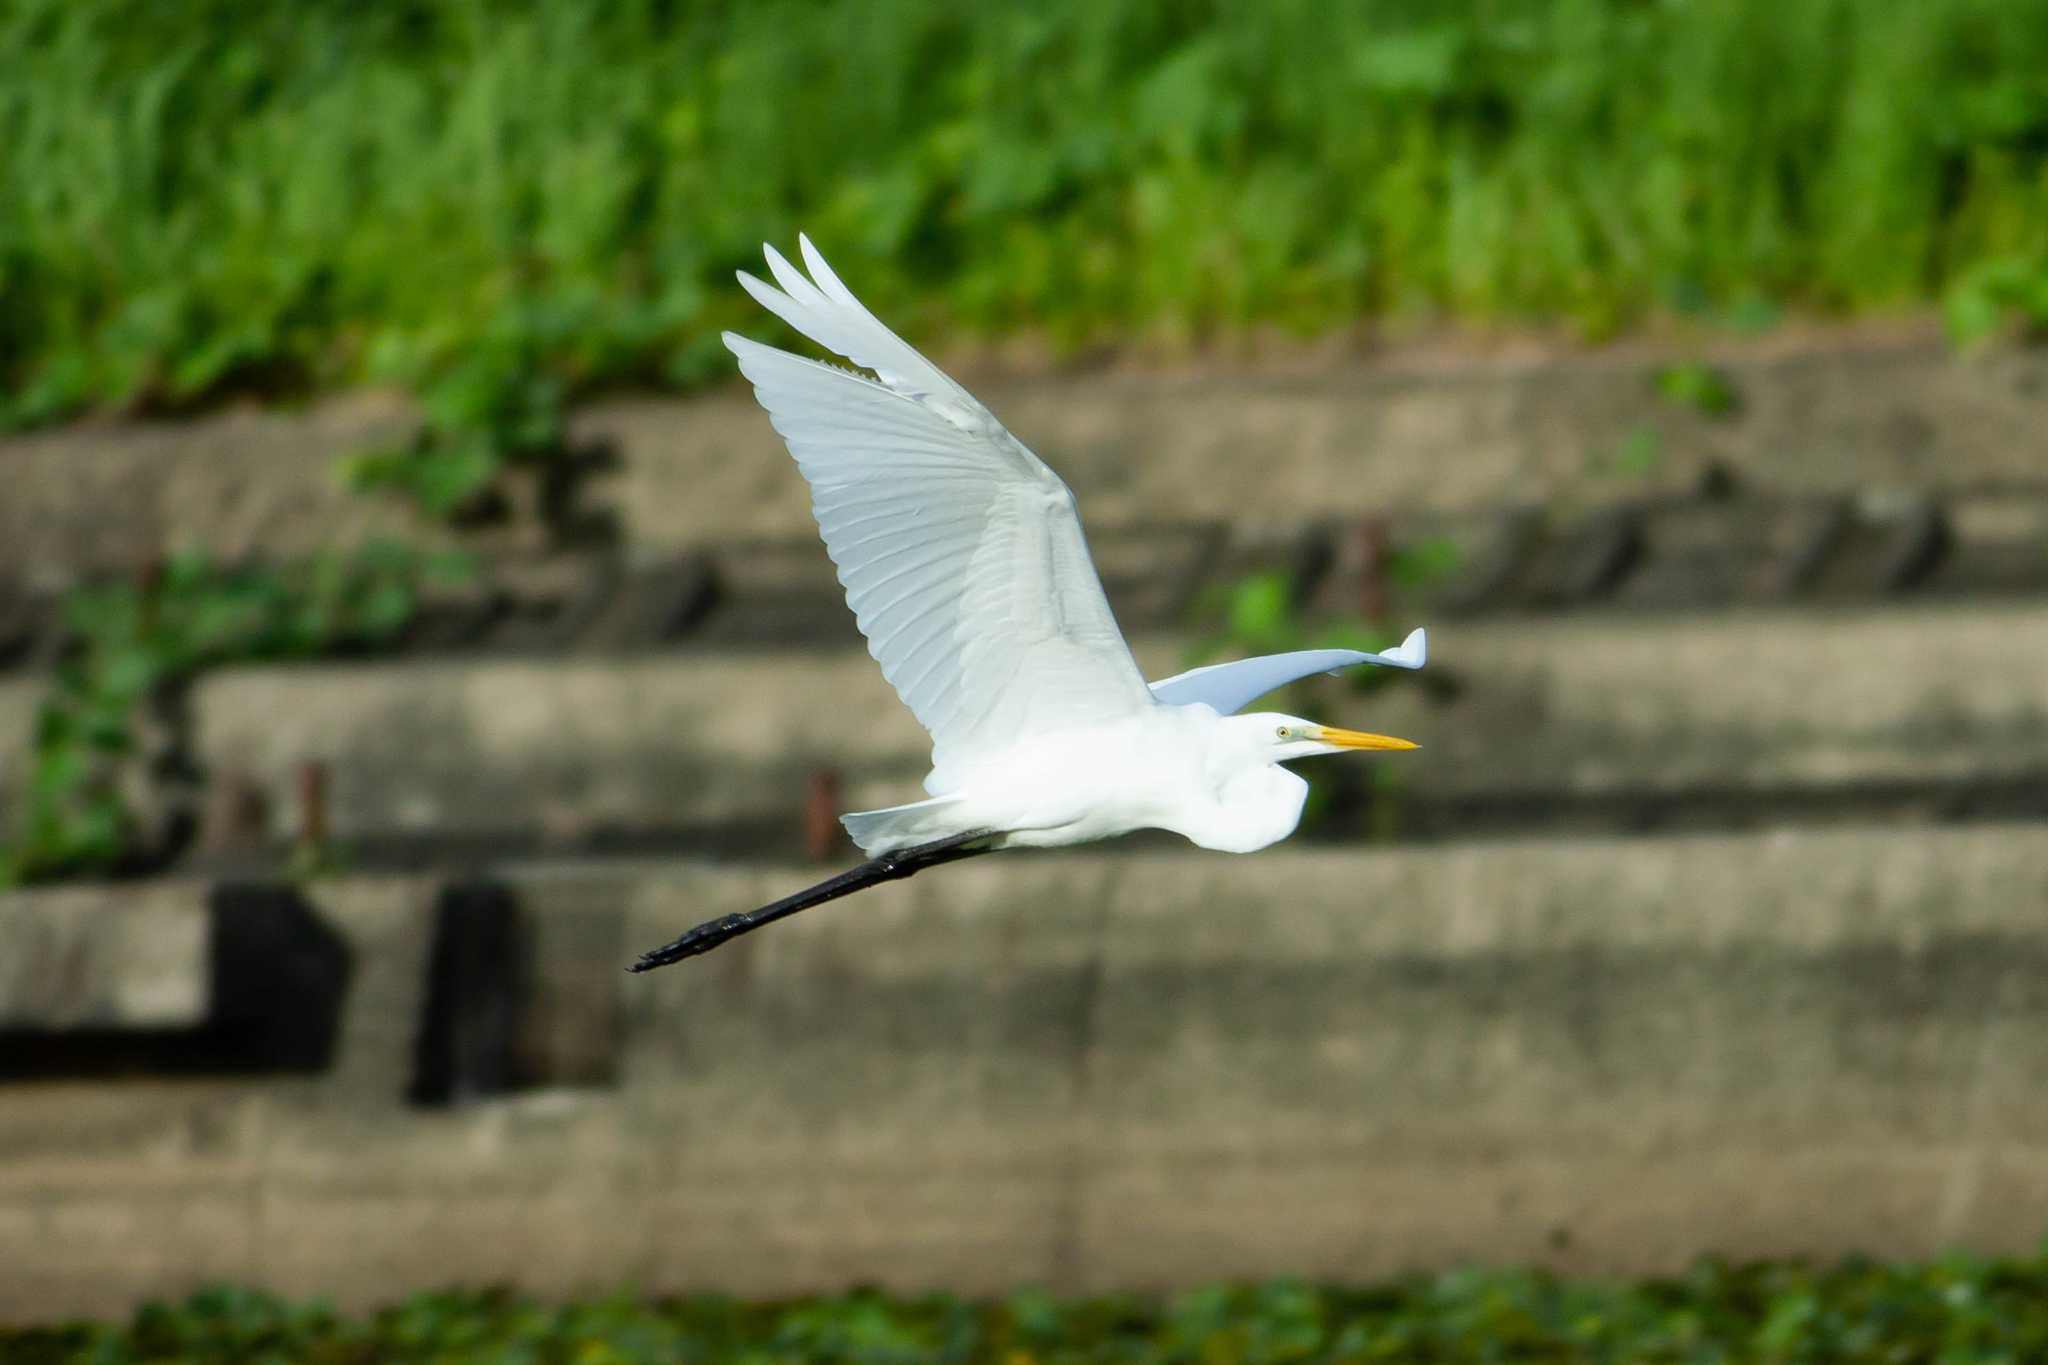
(964, 563)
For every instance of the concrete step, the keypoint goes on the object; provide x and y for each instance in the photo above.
(1400, 435)
(1093, 1071)
(78, 958)
(1713, 547)
(1612, 721)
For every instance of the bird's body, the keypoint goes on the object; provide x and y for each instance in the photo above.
(1178, 768)
(965, 565)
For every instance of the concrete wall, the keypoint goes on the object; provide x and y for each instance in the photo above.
(1585, 708)
(1352, 438)
(1113, 1070)
(19, 700)
(1136, 448)
(1129, 1068)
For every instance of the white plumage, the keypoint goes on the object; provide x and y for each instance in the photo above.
(963, 560)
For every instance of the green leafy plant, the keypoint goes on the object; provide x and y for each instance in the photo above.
(1634, 456)
(264, 197)
(494, 404)
(482, 416)
(2010, 290)
(1955, 1311)
(1699, 386)
(133, 643)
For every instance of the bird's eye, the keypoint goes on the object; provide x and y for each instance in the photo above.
(1281, 731)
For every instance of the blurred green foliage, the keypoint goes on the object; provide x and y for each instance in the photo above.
(130, 641)
(1635, 456)
(494, 404)
(260, 195)
(1699, 386)
(1955, 1312)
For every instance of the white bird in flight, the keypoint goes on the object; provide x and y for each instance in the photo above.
(963, 560)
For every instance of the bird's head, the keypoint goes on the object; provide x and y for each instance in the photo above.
(1284, 737)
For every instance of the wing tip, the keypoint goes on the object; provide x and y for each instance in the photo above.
(1412, 652)
(760, 289)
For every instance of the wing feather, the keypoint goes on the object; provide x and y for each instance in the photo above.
(961, 553)
(1229, 687)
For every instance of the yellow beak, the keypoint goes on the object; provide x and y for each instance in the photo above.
(1359, 739)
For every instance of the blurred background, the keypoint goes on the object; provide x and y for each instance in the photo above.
(406, 617)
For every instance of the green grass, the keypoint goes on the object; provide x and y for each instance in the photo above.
(1957, 1312)
(216, 197)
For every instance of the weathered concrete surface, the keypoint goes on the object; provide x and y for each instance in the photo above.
(80, 958)
(1231, 447)
(1097, 1071)
(1382, 437)
(108, 495)
(1581, 706)
(19, 700)
(117, 1190)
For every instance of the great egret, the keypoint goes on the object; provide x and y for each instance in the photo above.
(963, 560)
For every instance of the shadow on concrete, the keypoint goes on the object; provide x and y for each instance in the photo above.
(277, 978)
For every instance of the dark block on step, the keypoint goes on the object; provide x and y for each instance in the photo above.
(654, 606)
(476, 977)
(118, 982)
(1580, 562)
(1881, 547)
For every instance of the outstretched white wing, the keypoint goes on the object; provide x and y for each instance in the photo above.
(1228, 687)
(960, 551)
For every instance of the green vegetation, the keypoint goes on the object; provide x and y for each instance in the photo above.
(1635, 456)
(1956, 1312)
(495, 406)
(256, 195)
(136, 643)
(1698, 386)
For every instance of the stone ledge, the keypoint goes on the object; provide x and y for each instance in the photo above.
(1609, 710)
(1106, 1071)
(108, 496)
(80, 958)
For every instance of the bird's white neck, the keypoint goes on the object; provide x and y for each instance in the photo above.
(1254, 801)
(1257, 805)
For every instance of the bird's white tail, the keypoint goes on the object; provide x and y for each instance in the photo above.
(880, 831)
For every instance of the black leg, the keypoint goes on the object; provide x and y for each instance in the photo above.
(887, 868)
